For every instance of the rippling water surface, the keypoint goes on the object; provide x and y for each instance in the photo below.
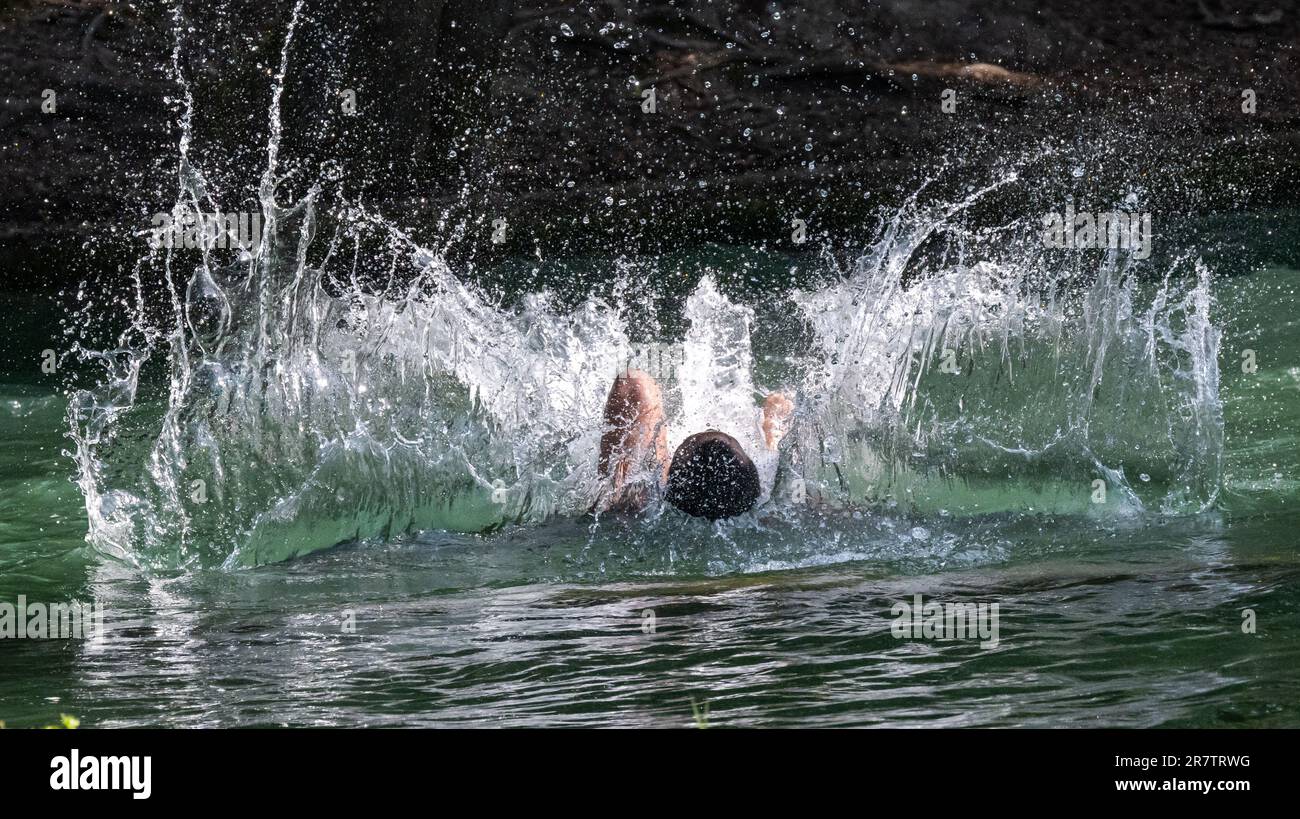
(780, 620)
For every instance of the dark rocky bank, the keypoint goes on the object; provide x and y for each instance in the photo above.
(533, 112)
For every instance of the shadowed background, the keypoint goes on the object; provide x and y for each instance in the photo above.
(532, 111)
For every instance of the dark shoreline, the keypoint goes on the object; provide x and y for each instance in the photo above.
(545, 132)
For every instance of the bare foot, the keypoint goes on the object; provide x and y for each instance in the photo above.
(635, 442)
(777, 410)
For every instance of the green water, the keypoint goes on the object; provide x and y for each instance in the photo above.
(1102, 623)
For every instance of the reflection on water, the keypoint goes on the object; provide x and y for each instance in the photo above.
(1141, 630)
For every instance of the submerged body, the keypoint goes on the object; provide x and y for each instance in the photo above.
(709, 475)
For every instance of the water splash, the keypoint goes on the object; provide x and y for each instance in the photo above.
(998, 383)
(296, 411)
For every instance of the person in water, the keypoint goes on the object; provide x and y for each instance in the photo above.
(709, 475)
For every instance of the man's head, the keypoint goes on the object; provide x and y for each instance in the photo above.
(712, 477)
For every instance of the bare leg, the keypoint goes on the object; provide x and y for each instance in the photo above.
(634, 448)
(777, 410)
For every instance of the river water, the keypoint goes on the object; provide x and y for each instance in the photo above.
(1131, 618)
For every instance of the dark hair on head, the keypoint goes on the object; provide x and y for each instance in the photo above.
(712, 477)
